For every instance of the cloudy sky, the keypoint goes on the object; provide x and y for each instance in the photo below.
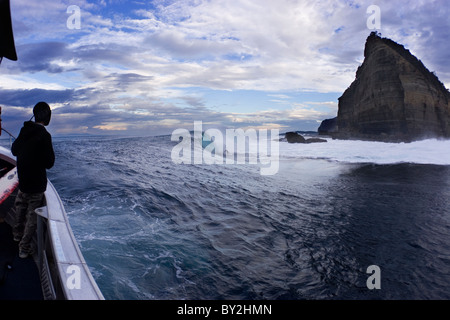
(150, 67)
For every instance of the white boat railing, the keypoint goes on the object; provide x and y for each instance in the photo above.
(59, 251)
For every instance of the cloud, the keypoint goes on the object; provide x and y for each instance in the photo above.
(42, 56)
(27, 98)
(153, 66)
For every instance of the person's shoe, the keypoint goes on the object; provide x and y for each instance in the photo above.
(23, 254)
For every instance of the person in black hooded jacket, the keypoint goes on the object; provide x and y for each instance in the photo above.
(34, 151)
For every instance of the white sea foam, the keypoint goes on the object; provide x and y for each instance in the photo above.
(430, 151)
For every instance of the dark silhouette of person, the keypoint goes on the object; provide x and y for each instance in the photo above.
(34, 151)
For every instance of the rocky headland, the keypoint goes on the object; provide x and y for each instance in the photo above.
(393, 98)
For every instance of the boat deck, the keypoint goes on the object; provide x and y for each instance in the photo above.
(19, 278)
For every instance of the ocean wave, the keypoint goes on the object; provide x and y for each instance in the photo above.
(431, 151)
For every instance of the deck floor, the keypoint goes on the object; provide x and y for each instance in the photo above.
(19, 278)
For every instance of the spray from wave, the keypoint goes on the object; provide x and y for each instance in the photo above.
(430, 151)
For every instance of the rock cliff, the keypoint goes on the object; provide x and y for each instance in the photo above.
(393, 98)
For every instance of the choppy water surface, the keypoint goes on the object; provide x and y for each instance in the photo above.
(150, 229)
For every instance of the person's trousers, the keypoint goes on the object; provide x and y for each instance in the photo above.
(24, 227)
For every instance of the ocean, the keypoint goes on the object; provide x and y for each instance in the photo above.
(153, 229)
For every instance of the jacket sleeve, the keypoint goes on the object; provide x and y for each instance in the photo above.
(49, 154)
(16, 145)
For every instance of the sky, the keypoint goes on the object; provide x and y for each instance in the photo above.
(145, 68)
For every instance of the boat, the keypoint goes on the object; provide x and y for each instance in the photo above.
(58, 266)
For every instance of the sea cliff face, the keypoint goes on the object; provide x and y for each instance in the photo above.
(393, 98)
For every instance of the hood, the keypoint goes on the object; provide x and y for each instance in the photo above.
(31, 128)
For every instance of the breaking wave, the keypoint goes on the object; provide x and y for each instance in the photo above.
(432, 151)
